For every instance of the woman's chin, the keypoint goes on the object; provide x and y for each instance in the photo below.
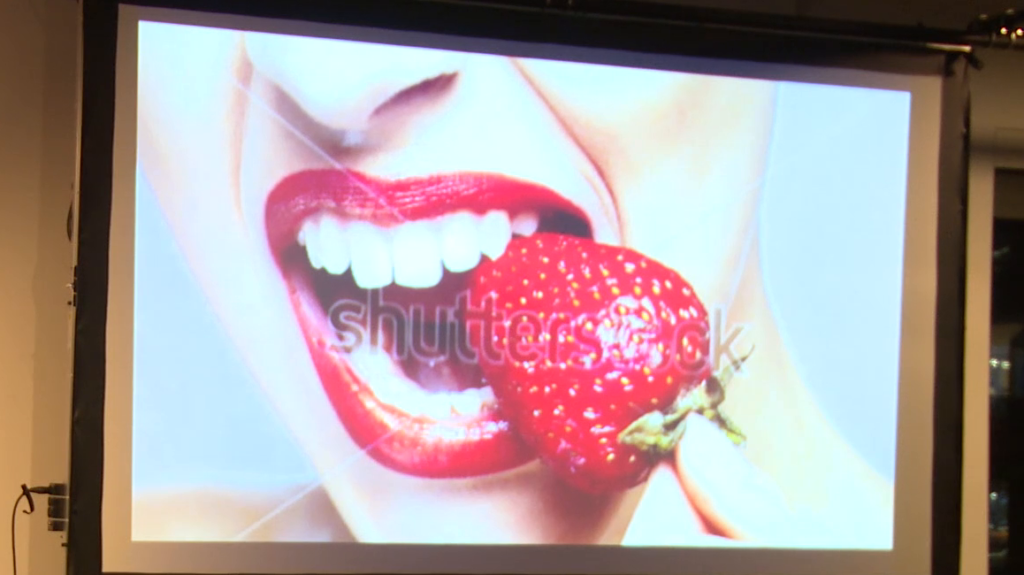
(526, 505)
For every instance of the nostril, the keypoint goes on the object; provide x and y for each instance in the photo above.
(418, 94)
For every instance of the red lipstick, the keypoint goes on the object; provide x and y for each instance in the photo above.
(418, 445)
(384, 202)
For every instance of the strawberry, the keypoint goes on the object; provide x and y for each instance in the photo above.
(595, 353)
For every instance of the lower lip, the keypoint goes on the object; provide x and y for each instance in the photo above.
(416, 445)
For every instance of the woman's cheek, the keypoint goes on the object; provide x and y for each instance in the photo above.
(188, 104)
(683, 155)
(687, 192)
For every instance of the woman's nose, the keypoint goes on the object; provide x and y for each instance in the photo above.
(340, 84)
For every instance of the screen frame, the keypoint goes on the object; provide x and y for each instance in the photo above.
(100, 22)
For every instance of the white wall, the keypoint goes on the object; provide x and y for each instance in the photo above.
(38, 118)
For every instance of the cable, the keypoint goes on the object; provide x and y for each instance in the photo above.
(25, 494)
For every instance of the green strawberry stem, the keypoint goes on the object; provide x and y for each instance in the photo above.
(658, 432)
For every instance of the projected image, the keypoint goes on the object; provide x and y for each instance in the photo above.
(392, 294)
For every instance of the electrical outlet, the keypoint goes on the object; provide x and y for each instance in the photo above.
(57, 507)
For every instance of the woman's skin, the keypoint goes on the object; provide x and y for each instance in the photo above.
(669, 165)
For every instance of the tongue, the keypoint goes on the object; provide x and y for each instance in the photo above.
(443, 373)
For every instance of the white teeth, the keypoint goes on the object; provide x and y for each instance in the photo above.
(525, 223)
(391, 386)
(460, 241)
(417, 255)
(495, 233)
(435, 406)
(412, 254)
(391, 390)
(486, 394)
(445, 405)
(333, 245)
(309, 236)
(371, 256)
(467, 401)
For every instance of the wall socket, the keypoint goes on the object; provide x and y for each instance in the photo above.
(57, 507)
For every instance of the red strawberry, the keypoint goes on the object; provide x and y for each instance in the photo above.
(589, 350)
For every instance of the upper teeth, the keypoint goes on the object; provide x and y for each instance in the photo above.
(525, 223)
(495, 234)
(460, 242)
(411, 254)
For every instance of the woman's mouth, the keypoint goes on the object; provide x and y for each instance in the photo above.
(377, 271)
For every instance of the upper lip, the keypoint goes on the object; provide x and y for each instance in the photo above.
(385, 202)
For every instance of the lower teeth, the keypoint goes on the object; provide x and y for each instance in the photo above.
(391, 386)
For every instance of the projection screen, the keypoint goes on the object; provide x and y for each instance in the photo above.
(384, 301)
